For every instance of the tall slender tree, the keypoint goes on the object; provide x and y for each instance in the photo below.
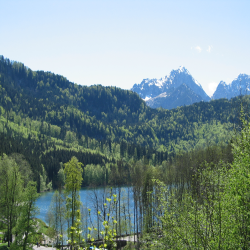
(73, 171)
(56, 214)
(26, 224)
(10, 192)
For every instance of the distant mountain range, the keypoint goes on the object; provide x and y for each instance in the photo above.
(179, 88)
(239, 86)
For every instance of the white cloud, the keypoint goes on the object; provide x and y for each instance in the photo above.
(209, 48)
(198, 48)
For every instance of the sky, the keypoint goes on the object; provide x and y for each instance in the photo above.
(121, 42)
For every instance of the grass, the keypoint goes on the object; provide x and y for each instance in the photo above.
(43, 229)
(43, 226)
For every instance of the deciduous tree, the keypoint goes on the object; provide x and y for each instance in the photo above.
(73, 171)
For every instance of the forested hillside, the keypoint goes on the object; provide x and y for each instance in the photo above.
(49, 119)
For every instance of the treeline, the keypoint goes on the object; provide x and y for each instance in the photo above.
(18, 194)
(213, 213)
(140, 208)
(42, 150)
(107, 112)
(127, 211)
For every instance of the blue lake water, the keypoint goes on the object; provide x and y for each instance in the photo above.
(86, 196)
(43, 202)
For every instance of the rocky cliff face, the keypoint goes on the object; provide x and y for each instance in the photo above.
(221, 91)
(239, 86)
(180, 88)
(176, 89)
(180, 96)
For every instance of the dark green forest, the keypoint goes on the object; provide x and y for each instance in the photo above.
(49, 119)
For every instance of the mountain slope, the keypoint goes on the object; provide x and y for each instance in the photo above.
(179, 96)
(239, 86)
(162, 92)
(50, 119)
(101, 113)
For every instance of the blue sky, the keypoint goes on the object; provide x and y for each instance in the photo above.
(121, 42)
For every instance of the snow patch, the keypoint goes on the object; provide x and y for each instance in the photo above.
(197, 82)
(159, 83)
(152, 82)
(146, 98)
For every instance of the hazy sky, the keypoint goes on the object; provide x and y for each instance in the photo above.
(121, 42)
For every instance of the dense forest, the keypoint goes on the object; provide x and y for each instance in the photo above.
(186, 168)
(49, 119)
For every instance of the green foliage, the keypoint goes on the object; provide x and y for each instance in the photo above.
(73, 171)
(11, 186)
(43, 181)
(17, 201)
(192, 220)
(26, 223)
(3, 246)
(211, 213)
(56, 216)
(51, 232)
(49, 119)
(238, 187)
(108, 228)
(60, 178)
(201, 200)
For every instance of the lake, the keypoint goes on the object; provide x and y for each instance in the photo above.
(86, 196)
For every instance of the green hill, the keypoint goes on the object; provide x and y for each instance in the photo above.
(49, 119)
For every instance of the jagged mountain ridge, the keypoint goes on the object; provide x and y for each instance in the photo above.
(176, 89)
(239, 86)
(180, 96)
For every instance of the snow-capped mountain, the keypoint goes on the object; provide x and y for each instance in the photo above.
(176, 89)
(239, 86)
(180, 96)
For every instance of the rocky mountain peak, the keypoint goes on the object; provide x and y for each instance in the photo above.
(151, 89)
(239, 86)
